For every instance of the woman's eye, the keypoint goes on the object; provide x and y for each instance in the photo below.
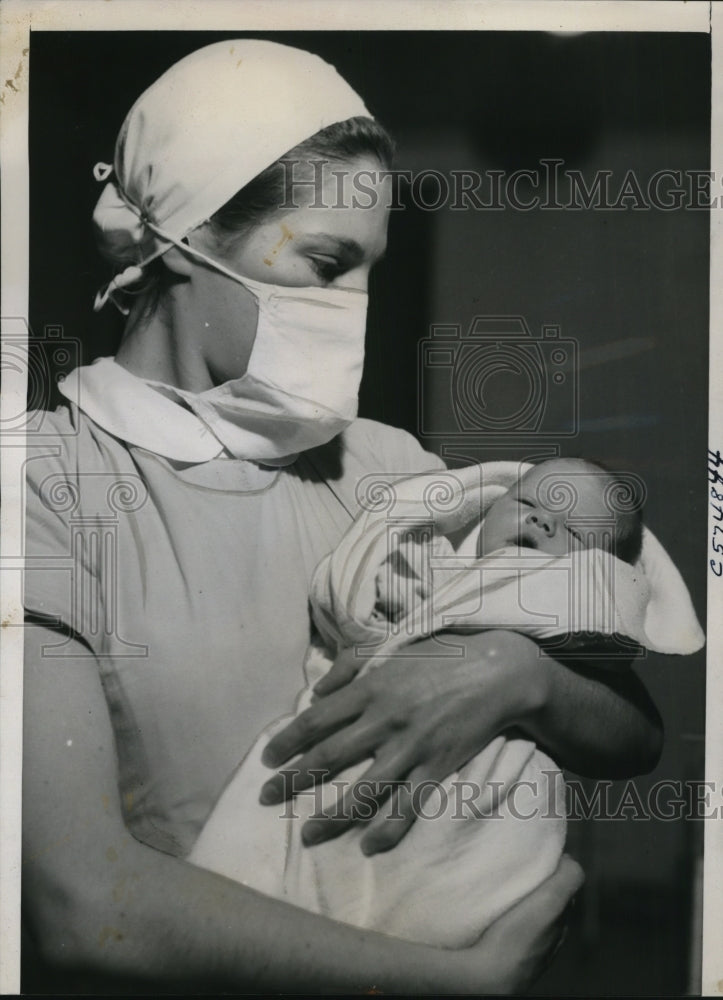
(524, 501)
(327, 268)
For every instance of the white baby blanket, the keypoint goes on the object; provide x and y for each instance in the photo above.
(494, 830)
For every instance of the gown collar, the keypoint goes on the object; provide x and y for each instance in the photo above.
(128, 408)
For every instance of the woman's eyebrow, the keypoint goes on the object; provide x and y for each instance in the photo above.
(349, 248)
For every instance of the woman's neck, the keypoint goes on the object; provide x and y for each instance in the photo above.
(158, 345)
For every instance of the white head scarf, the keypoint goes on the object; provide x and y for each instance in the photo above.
(202, 131)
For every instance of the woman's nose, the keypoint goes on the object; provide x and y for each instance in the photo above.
(543, 523)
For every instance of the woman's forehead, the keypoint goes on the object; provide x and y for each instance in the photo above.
(345, 206)
(323, 183)
(349, 230)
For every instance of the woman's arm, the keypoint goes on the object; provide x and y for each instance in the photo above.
(99, 903)
(422, 717)
(598, 722)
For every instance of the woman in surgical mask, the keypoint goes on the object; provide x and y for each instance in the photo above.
(193, 484)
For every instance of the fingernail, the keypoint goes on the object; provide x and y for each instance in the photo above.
(369, 849)
(312, 836)
(269, 795)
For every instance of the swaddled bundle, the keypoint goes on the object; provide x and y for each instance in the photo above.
(495, 829)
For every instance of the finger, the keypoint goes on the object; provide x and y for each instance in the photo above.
(344, 669)
(560, 942)
(361, 800)
(522, 941)
(313, 725)
(562, 886)
(356, 742)
(406, 803)
(549, 944)
(322, 762)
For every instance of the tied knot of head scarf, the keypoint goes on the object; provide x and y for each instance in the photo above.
(200, 133)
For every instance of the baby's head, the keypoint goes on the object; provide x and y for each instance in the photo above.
(561, 505)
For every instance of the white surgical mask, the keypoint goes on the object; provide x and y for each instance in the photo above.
(302, 382)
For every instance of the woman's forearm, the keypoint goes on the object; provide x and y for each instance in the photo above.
(102, 907)
(180, 927)
(166, 925)
(595, 722)
(100, 904)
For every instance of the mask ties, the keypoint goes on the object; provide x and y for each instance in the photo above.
(134, 272)
(102, 171)
(131, 274)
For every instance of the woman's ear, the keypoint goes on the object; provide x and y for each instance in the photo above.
(178, 262)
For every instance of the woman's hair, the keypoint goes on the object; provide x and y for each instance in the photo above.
(339, 143)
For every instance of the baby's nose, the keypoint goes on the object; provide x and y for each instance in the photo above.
(540, 521)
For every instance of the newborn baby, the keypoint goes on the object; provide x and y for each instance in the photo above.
(564, 504)
(548, 553)
(559, 506)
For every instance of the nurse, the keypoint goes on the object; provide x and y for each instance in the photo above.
(190, 486)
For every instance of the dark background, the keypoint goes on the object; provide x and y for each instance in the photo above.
(630, 287)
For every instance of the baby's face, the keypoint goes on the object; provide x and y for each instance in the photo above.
(556, 507)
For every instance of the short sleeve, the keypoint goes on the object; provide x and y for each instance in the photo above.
(62, 556)
(392, 450)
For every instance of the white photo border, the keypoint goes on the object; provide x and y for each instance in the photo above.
(17, 19)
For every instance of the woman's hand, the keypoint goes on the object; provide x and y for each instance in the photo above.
(420, 715)
(521, 944)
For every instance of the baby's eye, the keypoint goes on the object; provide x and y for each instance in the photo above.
(525, 501)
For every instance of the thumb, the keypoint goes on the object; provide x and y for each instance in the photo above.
(546, 905)
(517, 948)
(344, 669)
(523, 941)
(552, 898)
